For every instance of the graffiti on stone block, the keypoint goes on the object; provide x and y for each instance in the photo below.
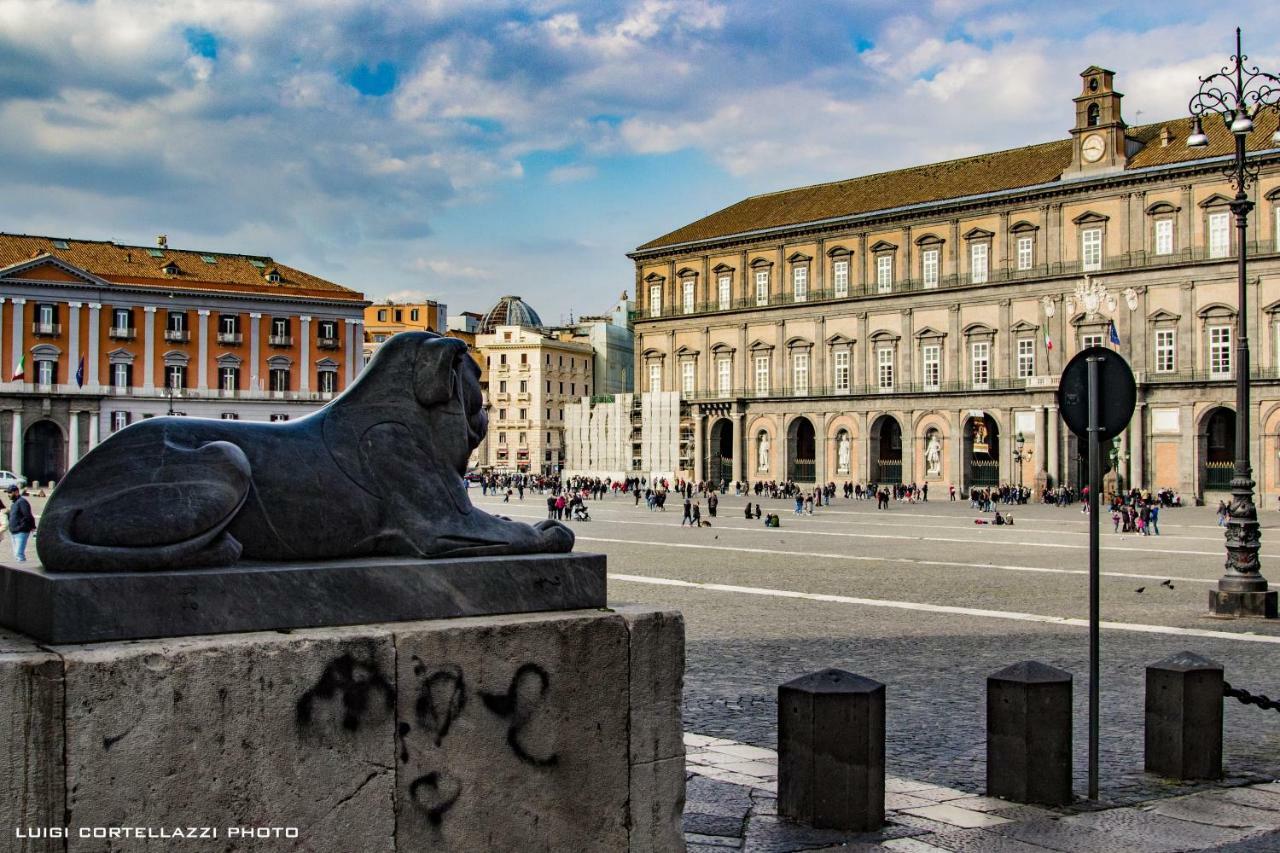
(356, 683)
(518, 706)
(435, 793)
(441, 698)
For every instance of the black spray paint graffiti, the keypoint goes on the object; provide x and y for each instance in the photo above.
(441, 699)
(435, 793)
(356, 683)
(518, 705)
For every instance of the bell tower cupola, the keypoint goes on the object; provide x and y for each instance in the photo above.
(1099, 143)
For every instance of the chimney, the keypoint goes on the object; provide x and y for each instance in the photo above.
(1166, 136)
(162, 241)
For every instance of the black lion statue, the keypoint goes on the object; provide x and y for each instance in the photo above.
(375, 473)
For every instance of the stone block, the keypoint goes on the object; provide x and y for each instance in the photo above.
(1261, 605)
(31, 787)
(263, 730)
(831, 751)
(91, 607)
(657, 682)
(1029, 734)
(657, 806)
(1184, 718)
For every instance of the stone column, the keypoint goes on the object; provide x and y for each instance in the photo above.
(91, 370)
(73, 347)
(359, 351)
(18, 310)
(740, 446)
(1123, 471)
(1003, 367)
(957, 472)
(705, 374)
(821, 446)
(1041, 441)
(202, 369)
(780, 379)
(698, 470)
(1052, 420)
(742, 370)
(16, 453)
(819, 377)
(1188, 467)
(861, 353)
(304, 379)
(1187, 330)
(908, 346)
(1137, 465)
(953, 370)
(149, 348)
(93, 428)
(255, 323)
(349, 367)
(73, 438)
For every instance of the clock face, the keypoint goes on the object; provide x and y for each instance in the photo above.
(1092, 148)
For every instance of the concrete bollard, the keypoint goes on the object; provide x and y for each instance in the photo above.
(1184, 718)
(1029, 734)
(831, 751)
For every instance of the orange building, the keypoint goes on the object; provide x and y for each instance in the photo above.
(95, 335)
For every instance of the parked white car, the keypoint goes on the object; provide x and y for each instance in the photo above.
(8, 478)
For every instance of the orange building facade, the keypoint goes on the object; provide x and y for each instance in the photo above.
(95, 335)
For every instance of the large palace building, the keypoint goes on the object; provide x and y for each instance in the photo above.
(911, 326)
(95, 335)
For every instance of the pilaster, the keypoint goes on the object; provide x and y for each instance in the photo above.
(202, 369)
(149, 347)
(92, 371)
(304, 378)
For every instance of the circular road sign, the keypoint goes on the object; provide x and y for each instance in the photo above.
(1117, 393)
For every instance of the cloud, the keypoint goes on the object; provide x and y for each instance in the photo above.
(406, 296)
(450, 269)
(571, 173)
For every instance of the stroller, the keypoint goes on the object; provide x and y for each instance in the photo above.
(580, 513)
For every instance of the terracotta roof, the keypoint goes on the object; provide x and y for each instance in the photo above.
(142, 266)
(984, 173)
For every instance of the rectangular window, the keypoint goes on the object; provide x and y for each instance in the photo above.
(45, 316)
(978, 254)
(655, 377)
(1164, 236)
(724, 292)
(1166, 353)
(655, 300)
(229, 416)
(177, 376)
(929, 267)
(229, 378)
(884, 369)
(884, 273)
(762, 374)
(1091, 249)
(120, 375)
(980, 364)
(1219, 235)
(1087, 341)
(762, 287)
(724, 379)
(800, 372)
(46, 372)
(686, 377)
(119, 420)
(800, 283)
(328, 381)
(842, 370)
(687, 291)
(931, 366)
(1026, 252)
(1026, 357)
(1220, 351)
(279, 418)
(279, 379)
(840, 277)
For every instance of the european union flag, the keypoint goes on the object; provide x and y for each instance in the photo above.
(80, 374)
(1115, 336)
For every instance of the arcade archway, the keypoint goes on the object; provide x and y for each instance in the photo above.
(720, 451)
(802, 451)
(44, 453)
(1218, 450)
(886, 450)
(981, 452)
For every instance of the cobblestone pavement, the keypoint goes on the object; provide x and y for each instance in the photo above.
(925, 601)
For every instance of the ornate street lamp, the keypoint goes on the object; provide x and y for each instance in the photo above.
(1019, 442)
(1239, 93)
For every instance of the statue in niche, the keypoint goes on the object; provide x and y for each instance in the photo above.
(844, 453)
(933, 455)
(375, 473)
(762, 453)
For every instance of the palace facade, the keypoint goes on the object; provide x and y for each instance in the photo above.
(95, 335)
(911, 326)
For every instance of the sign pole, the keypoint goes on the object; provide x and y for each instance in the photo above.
(1095, 484)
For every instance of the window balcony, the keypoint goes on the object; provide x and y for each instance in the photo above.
(280, 340)
(234, 338)
(122, 333)
(178, 336)
(326, 343)
(46, 329)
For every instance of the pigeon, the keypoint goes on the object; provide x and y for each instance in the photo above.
(1167, 583)
(1140, 590)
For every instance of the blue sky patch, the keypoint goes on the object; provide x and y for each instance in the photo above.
(376, 81)
(202, 42)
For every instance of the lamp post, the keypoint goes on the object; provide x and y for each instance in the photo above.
(1239, 93)
(1019, 442)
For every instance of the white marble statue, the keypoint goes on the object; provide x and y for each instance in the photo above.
(933, 455)
(762, 455)
(844, 451)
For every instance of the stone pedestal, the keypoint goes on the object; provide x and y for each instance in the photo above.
(1029, 734)
(1184, 718)
(831, 751)
(539, 732)
(1260, 605)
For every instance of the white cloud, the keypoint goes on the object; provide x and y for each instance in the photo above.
(571, 173)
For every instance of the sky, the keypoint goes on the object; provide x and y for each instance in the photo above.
(460, 150)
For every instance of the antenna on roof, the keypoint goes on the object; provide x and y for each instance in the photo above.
(162, 240)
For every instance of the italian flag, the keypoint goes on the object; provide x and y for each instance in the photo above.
(1048, 341)
(22, 369)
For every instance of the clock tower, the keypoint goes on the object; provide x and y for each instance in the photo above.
(1099, 144)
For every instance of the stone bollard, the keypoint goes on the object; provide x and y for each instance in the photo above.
(831, 751)
(1029, 734)
(1184, 718)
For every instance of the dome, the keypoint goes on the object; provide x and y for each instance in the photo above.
(510, 311)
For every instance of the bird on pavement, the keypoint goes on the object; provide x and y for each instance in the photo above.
(1140, 590)
(1167, 583)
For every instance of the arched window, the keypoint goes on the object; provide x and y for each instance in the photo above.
(1092, 115)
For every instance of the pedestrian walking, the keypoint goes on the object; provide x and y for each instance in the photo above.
(21, 522)
(1223, 512)
(688, 513)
